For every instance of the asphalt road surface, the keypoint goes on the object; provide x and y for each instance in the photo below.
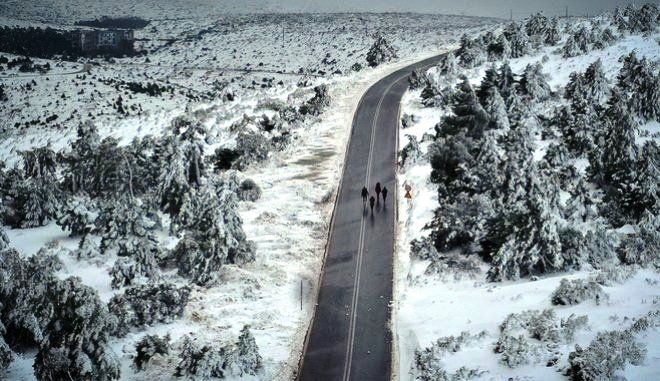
(350, 337)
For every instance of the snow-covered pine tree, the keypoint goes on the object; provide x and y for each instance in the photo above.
(643, 19)
(639, 79)
(506, 82)
(575, 88)
(448, 65)
(148, 304)
(468, 115)
(619, 150)
(75, 341)
(495, 107)
(35, 201)
(595, 82)
(533, 246)
(533, 84)
(78, 162)
(471, 52)
(552, 34)
(137, 260)
(381, 51)
(418, 80)
(125, 222)
(433, 96)
(581, 206)
(173, 179)
(76, 216)
(248, 359)
(647, 181)
(498, 48)
(537, 27)
(148, 347)
(643, 248)
(214, 234)
(517, 38)
(490, 79)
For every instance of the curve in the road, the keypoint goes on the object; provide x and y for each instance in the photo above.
(350, 336)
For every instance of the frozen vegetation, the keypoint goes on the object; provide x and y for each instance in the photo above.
(162, 213)
(532, 151)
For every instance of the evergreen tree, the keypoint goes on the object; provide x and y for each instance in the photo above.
(506, 81)
(148, 347)
(533, 245)
(517, 38)
(499, 48)
(468, 115)
(448, 65)
(596, 84)
(74, 344)
(619, 151)
(640, 82)
(646, 195)
(533, 83)
(173, 180)
(79, 162)
(552, 35)
(214, 235)
(76, 217)
(489, 80)
(381, 51)
(495, 107)
(470, 52)
(418, 80)
(248, 357)
(581, 206)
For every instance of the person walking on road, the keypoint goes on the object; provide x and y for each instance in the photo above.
(378, 191)
(365, 195)
(384, 191)
(372, 201)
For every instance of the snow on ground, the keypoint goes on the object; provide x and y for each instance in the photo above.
(427, 308)
(289, 222)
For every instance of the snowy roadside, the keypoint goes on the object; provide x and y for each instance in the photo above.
(428, 307)
(288, 224)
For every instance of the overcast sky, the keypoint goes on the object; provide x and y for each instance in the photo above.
(494, 8)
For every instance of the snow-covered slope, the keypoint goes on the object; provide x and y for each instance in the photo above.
(431, 305)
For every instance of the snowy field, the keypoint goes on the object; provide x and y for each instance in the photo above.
(288, 223)
(433, 305)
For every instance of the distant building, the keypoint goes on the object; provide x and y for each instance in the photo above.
(114, 40)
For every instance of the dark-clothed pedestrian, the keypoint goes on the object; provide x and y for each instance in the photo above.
(365, 195)
(384, 191)
(372, 201)
(378, 189)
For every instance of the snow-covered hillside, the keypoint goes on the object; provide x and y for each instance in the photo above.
(186, 190)
(517, 258)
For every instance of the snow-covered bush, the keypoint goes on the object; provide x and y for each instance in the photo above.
(380, 52)
(204, 361)
(529, 336)
(608, 352)
(411, 152)
(407, 120)
(252, 148)
(74, 344)
(148, 347)
(428, 361)
(249, 191)
(317, 103)
(148, 304)
(576, 291)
